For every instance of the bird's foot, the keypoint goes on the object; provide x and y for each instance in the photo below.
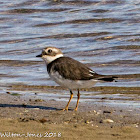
(66, 108)
(76, 109)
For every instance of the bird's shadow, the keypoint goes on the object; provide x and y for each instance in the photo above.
(29, 106)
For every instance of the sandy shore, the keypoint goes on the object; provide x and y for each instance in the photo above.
(30, 118)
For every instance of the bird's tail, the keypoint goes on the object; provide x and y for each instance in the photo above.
(107, 78)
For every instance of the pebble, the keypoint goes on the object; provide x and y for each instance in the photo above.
(98, 113)
(106, 121)
(87, 122)
(66, 122)
(105, 111)
(36, 108)
(136, 125)
(39, 100)
(26, 110)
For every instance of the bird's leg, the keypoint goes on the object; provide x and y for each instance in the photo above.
(78, 97)
(71, 96)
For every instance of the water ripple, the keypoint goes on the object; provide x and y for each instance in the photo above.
(102, 34)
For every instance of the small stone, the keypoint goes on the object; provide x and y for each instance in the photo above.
(8, 92)
(98, 113)
(105, 111)
(94, 111)
(39, 100)
(75, 126)
(136, 125)
(36, 108)
(66, 122)
(107, 121)
(87, 122)
(101, 121)
(26, 110)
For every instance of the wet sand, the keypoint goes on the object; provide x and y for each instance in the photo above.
(31, 118)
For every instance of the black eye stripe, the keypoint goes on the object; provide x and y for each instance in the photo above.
(44, 53)
(49, 51)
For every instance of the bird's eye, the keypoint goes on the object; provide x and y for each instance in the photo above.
(49, 51)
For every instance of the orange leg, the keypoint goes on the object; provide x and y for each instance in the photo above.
(71, 96)
(78, 97)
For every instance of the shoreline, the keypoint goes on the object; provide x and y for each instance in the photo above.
(101, 89)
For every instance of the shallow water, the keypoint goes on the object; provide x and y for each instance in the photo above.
(104, 34)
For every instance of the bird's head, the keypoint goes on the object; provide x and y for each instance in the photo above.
(49, 54)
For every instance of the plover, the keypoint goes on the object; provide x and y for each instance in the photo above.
(70, 73)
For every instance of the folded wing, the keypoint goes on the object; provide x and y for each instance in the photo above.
(74, 70)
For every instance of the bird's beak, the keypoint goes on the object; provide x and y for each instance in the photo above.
(40, 55)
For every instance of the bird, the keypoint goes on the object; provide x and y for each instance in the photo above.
(70, 73)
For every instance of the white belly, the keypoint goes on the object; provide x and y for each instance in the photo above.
(72, 84)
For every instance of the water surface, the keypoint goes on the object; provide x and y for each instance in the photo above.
(104, 34)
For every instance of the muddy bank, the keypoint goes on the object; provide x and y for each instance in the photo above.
(20, 115)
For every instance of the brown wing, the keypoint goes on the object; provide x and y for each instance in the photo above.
(71, 69)
(74, 70)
